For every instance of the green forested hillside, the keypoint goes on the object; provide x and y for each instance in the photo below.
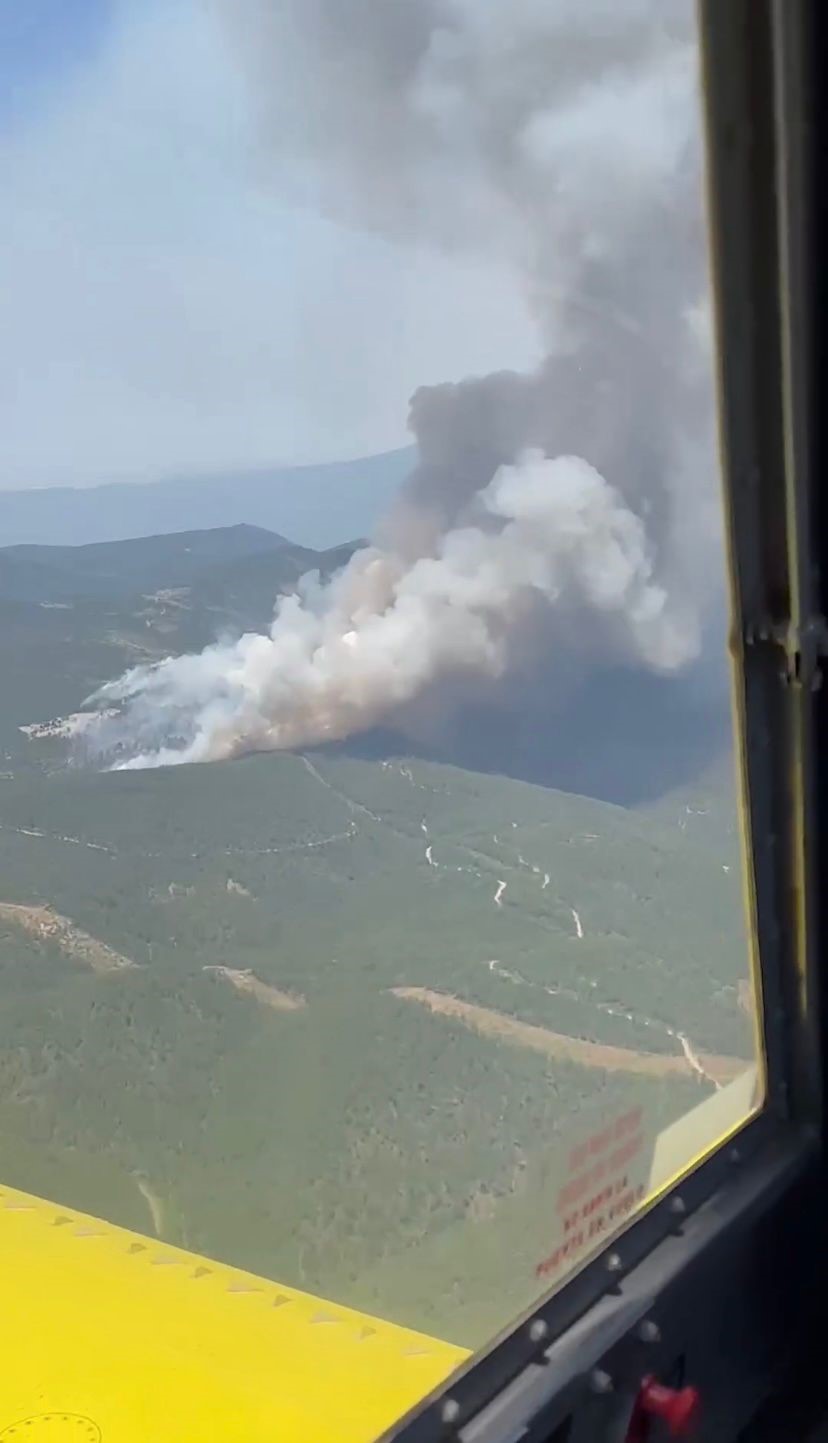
(200, 1034)
(344, 1146)
(74, 617)
(120, 568)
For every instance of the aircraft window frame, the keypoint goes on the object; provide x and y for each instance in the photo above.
(762, 160)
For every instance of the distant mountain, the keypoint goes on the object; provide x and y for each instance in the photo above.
(315, 505)
(72, 617)
(116, 568)
(242, 590)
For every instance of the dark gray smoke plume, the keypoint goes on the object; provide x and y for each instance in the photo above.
(563, 138)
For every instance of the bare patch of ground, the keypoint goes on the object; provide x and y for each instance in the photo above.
(43, 923)
(240, 891)
(246, 981)
(498, 1025)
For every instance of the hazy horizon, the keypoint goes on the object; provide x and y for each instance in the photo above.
(205, 474)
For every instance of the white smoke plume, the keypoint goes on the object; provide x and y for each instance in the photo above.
(561, 137)
(338, 657)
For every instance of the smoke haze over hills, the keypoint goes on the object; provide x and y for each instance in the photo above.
(563, 519)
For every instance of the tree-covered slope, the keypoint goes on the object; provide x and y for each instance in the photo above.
(333, 1144)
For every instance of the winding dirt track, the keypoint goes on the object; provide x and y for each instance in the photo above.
(498, 1025)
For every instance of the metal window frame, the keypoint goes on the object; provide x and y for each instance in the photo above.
(571, 1362)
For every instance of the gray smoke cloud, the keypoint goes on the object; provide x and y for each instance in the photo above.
(338, 657)
(561, 137)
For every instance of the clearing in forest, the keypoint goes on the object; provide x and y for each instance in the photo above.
(502, 1027)
(246, 981)
(46, 925)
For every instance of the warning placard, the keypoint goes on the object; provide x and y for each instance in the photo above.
(608, 1174)
(605, 1180)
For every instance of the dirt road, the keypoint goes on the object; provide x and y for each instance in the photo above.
(498, 1025)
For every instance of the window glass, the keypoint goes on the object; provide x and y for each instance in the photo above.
(370, 878)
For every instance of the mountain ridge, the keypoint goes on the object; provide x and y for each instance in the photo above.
(316, 505)
(53, 574)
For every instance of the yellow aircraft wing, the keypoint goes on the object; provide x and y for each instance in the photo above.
(110, 1337)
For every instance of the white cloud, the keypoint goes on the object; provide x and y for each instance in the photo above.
(163, 310)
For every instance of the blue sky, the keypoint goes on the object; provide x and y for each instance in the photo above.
(41, 44)
(163, 308)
